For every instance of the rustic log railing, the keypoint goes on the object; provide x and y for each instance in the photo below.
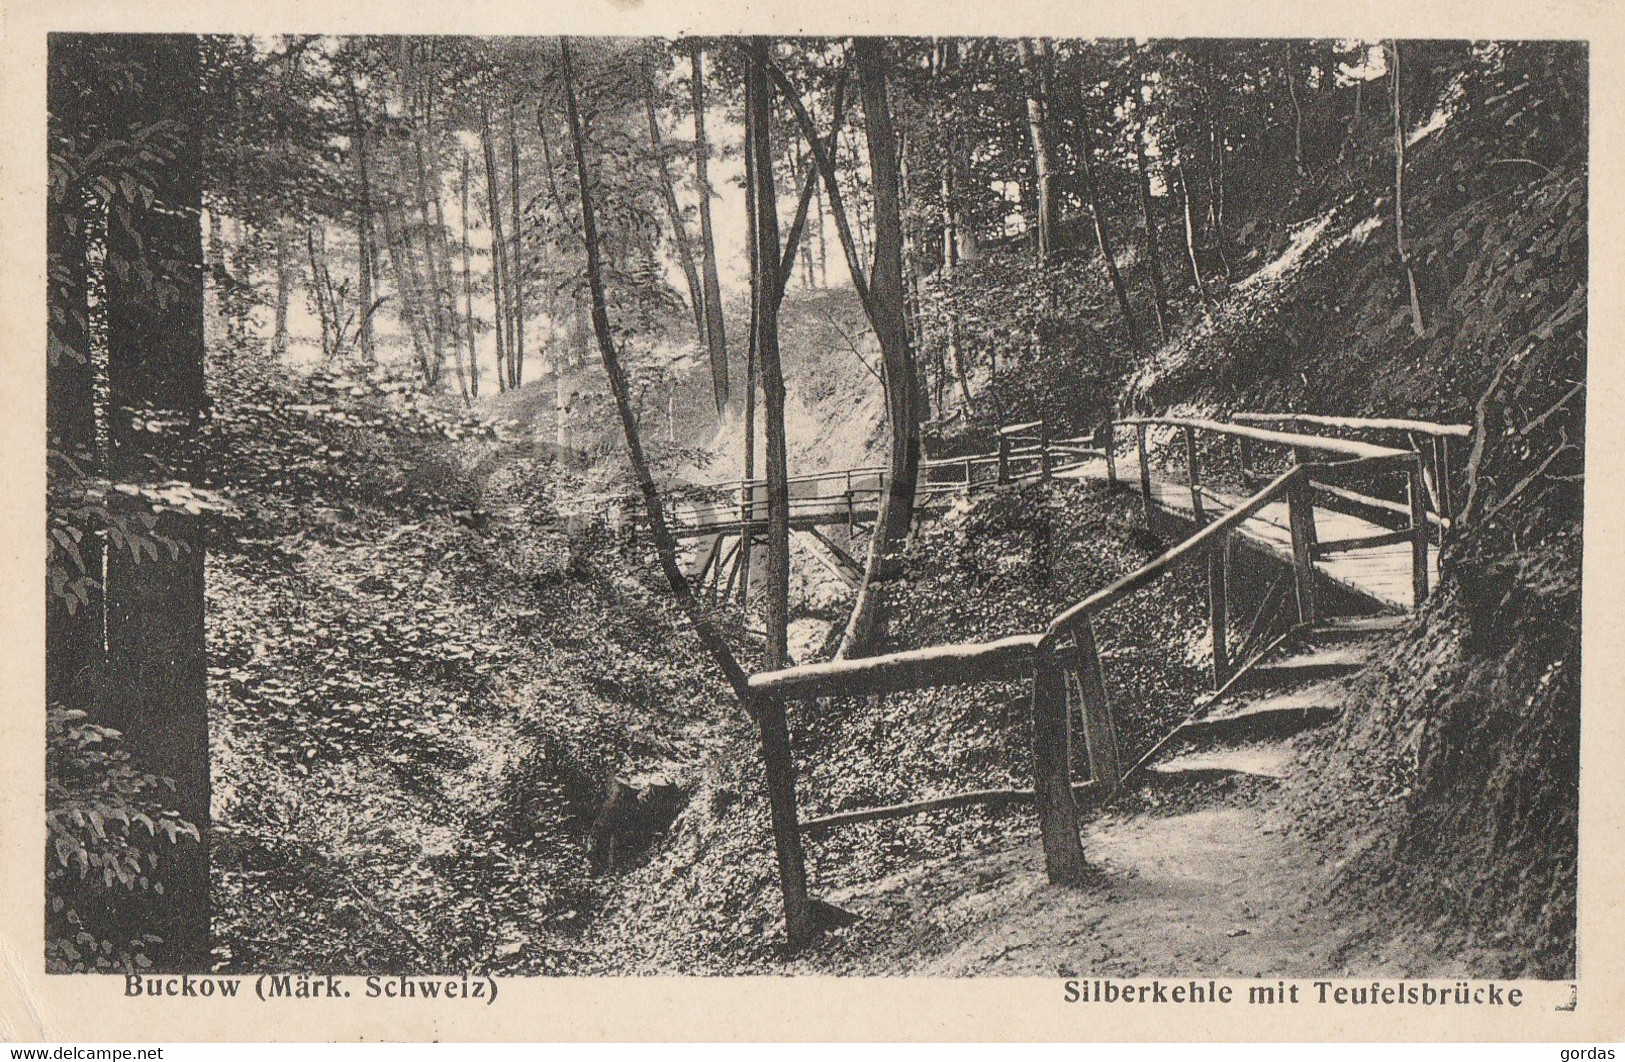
(1063, 663)
(1431, 442)
(1352, 457)
(1024, 452)
(1064, 667)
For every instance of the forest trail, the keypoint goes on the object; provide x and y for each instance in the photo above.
(1196, 867)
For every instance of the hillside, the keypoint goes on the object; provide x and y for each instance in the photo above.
(1455, 757)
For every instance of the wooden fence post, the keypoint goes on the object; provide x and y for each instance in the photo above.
(1441, 473)
(1043, 451)
(1052, 774)
(1218, 607)
(1004, 458)
(780, 766)
(1099, 732)
(1301, 511)
(1145, 471)
(1106, 438)
(1190, 466)
(1419, 533)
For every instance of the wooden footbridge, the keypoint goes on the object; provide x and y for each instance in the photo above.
(826, 507)
(1350, 510)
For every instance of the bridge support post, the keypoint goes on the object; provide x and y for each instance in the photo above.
(1218, 607)
(1145, 472)
(1419, 533)
(1190, 467)
(1441, 474)
(1105, 438)
(1301, 512)
(780, 766)
(1052, 774)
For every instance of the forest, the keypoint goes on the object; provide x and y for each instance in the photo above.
(383, 370)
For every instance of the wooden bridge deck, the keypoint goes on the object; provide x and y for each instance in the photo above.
(1381, 574)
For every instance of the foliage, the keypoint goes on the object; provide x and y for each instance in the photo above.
(107, 828)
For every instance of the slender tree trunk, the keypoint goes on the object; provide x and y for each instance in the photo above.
(748, 541)
(1043, 156)
(674, 215)
(468, 290)
(1418, 327)
(767, 714)
(1190, 237)
(1216, 143)
(823, 246)
(499, 253)
(1097, 210)
(516, 259)
(1297, 111)
(891, 327)
(364, 241)
(324, 313)
(715, 333)
(407, 300)
(422, 132)
(284, 287)
(958, 355)
(1153, 249)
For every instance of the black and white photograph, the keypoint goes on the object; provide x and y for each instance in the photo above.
(1100, 509)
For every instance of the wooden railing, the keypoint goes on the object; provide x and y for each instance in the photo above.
(1024, 451)
(1062, 659)
(1065, 656)
(1352, 458)
(1431, 442)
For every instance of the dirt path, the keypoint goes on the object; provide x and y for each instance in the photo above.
(1198, 871)
(1217, 889)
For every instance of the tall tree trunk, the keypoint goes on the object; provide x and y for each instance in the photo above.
(499, 252)
(422, 138)
(363, 228)
(1418, 327)
(407, 301)
(1153, 249)
(516, 259)
(716, 338)
(468, 290)
(766, 713)
(284, 287)
(764, 296)
(1297, 112)
(823, 246)
(1190, 237)
(891, 327)
(958, 356)
(156, 659)
(1037, 64)
(747, 542)
(674, 214)
(1097, 210)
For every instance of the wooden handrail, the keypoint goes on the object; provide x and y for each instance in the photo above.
(1133, 581)
(1011, 429)
(1318, 443)
(939, 665)
(1458, 431)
